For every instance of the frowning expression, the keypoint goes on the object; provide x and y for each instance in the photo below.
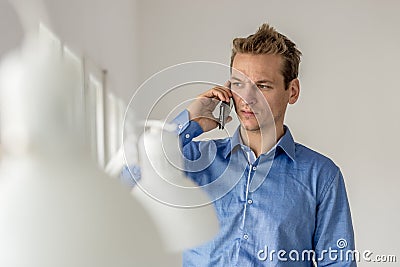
(259, 91)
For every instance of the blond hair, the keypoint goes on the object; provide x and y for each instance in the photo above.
(268, 41)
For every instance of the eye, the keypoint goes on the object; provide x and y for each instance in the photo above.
(264, 86)
(237, 84)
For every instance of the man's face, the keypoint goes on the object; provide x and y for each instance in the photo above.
(257, 80)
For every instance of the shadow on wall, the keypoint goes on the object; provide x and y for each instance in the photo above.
(10, 28)
(11, 31)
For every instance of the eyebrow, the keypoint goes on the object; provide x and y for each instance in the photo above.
(235, 78)
(264, 81)
(257, 82)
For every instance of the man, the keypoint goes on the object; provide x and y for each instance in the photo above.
(286, 201)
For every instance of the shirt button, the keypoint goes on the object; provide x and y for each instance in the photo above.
(245, 236)
(187, 135)
(250, 201)
(180, 126)
(254, 168)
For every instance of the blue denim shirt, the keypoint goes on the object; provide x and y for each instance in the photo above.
(275, 211)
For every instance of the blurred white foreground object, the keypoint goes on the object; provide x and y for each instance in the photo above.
(56, 207)
(174, 201)
(117, 162)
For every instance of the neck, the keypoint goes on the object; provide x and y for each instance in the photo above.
(263, 140)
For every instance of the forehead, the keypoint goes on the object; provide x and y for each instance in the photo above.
(257, 67)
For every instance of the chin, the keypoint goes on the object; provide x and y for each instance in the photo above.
(249, 124)
(251, 128)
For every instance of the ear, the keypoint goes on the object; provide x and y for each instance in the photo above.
(294, 90)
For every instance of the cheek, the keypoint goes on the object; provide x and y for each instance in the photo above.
(236, 100)
(278, 105)
(266, 100)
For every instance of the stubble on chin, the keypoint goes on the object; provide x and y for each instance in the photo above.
(251, 128)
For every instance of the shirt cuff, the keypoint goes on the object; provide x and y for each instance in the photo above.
(130, 175)
(186, 128)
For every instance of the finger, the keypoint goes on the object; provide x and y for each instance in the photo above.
(227, 88)
(217, 93)
(225, 92)
(227, 84)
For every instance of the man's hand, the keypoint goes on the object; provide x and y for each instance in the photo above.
(201, 109)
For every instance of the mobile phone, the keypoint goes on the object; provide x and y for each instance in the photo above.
(224, 111)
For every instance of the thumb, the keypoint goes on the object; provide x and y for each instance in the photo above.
(229, 119)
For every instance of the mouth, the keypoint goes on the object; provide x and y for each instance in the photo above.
(248, 113)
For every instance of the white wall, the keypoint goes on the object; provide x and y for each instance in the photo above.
(11, 31)
(104, 31)
(349, 78)
(10, 28)
(101, 30)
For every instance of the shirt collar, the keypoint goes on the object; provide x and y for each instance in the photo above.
(286, 143)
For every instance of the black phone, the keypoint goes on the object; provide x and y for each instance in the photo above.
(224, 111)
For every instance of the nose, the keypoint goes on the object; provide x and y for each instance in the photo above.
(249, 95)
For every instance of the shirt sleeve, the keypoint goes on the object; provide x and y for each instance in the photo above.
(334, 236)
(186, 128)
(129, 176)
